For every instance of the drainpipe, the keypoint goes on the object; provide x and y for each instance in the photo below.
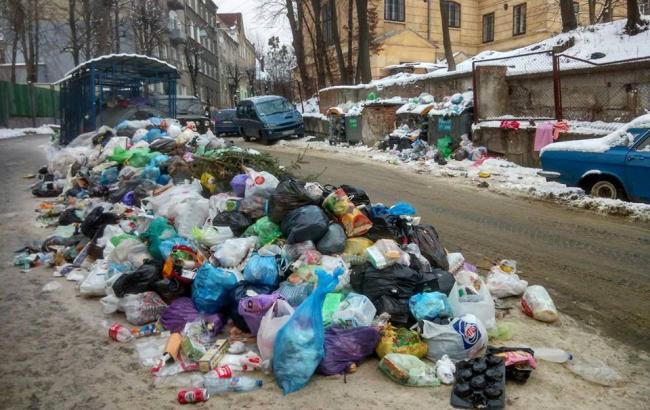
(428, 19)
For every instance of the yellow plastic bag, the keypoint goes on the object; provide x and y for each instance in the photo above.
(400, 340)
(357, 246)
(209, 182)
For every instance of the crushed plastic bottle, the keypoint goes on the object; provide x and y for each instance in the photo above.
(216, 385)
(595, 371)
(117, 332)
(551, 354)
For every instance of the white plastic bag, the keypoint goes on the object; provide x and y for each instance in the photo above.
(472, 297)
(464, 338)
(355, 311)
(210, 236)
(188, 215)
(501, 284)
(445, 370)
(110, 304)
(130, 251)
(143, 308)
(151, 349)
(233, 251)
(161, 204)
(221, 203)
(272, 321)
(386, 252)
(537, 303)
(95, 282)
(260, 184)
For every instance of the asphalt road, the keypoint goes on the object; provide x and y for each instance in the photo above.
(597, 268)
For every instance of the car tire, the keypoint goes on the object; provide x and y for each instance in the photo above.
(607, 188)
(244, 136)
(263, 138)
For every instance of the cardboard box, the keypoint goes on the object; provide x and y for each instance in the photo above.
(211, 358)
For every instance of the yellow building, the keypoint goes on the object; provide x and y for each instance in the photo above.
(411, 30)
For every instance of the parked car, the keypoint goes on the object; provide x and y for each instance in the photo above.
(614, 166)
(268, 118)
(189, 108)
(224, 122)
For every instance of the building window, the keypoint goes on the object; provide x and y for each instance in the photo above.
(394, 10)
(454, 14)
(488, 27)
(519, 19)
(644, 7)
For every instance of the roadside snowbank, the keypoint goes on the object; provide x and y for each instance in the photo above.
(494, 174)
(21, 132)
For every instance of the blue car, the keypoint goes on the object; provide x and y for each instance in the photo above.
(268, 118)
(615, 166)
(224, 122)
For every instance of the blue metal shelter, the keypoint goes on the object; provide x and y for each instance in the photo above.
(85, 89)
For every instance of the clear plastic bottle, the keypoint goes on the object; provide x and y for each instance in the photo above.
(216, 385)
(551, 354)
(595, 371)
(117, 332)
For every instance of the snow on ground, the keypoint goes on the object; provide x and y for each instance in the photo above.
(501, 176)
(21, 132)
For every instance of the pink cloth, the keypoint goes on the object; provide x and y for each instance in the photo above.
(543, 135)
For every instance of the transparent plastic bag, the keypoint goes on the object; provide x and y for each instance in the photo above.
(272, 321)
(355, 311)
(210, 236)
(537, 303)
(95, 283)
(384, 253)
(472, 297)
(232, 252)
(503, 281)
(408, 370)
(143, 308)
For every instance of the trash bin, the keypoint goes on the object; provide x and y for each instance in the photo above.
(353, 129)
(452, 125)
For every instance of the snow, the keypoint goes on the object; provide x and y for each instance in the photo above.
(21, 132)
(503, 177)
(606, 38)
(576, 127)
(620, 137)
(108, 56)
(355, 109)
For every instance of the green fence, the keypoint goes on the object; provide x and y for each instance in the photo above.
(27, 100)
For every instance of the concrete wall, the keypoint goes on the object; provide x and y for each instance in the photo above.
(316, 126)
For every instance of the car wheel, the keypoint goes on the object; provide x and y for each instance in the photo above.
(243, 135)
(606, 189)
(264, 139)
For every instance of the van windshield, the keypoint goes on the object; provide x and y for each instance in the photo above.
(274, 107)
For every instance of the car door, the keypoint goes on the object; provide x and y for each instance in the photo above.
(250, 127)
(637, 170)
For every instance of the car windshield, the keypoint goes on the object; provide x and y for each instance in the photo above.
(274, 107)
(189, 106)
(225, 115)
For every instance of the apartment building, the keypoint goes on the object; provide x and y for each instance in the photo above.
(411, 30)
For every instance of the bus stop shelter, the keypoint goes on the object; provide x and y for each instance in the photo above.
(86, 89)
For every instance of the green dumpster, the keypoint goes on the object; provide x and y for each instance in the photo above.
(353, 129)
(450, 125)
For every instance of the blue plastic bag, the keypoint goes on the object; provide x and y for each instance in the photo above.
(210, 288)
(402, 208)
(261, 270)
(299, 345)
(429, 306)
(151, 172)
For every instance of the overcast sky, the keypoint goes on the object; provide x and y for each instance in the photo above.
(254, 24)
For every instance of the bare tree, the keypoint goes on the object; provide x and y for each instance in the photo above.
(446, 41)
(72, 24)
(569, 21)
(363, 59)
(343, 70)
(235, 75)
(149, 23)
(350, 31)
(314, 27)
(634, 24)
(193, 52)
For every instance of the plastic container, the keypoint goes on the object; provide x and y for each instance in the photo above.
(552, 355)
(217, 385)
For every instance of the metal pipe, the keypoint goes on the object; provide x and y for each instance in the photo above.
(475, 93)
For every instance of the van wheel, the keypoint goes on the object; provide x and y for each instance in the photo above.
(243, 135)
(264, 139)
(606, 188)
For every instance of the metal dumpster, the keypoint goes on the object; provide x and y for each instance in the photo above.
(452, 125)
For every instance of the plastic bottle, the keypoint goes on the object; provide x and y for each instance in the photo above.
(217, 385)
(117, 332)
(595, 371)
(551, 354)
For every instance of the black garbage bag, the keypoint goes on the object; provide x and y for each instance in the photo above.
(68, 217)
(290, 194)
(235, 220)
(141, 280)
(387, 227)
(53, 241)
(427, 239)
(163, 145)
(333, 241)
(389, 289)
(46, 189)
(170, 289)
(308, 223)
(438, 280)
(95, 222)
(239, 292)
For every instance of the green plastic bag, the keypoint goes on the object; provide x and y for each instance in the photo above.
(120, 155)
(331, 306)
(159, 230)
(266, 231)
(140, 157)
(444, 146)
(117, 239)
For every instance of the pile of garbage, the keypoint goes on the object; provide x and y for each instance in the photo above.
(220, 275)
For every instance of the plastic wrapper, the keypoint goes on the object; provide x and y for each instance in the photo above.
(308, 223)
(463, 338)
(150, 349)
(261, 270)
(430, 305)
(298, 347)
(400, 340)
(143, 308)
(272, 321)
(347, 348)
(253, 309)
(210, 287)
(408, 370)
(537, 303)
(182, 311)
(334, 240)
(232, 252)
(354, 311)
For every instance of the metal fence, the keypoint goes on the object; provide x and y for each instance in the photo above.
(548, 85)
(27, 101)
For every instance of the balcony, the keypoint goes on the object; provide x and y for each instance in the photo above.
(177, 36)
(175, 5)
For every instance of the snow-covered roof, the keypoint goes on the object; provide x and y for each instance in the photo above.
(123, 57)
(620, 137)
